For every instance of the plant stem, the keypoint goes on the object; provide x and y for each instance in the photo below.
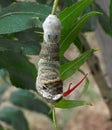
(54, 6)
(54, 118)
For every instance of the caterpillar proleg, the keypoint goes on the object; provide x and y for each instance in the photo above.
(49, 84)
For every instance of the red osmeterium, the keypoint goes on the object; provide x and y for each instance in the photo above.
(66, 93)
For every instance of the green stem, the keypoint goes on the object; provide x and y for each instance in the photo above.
(54, 6)
(54, 118)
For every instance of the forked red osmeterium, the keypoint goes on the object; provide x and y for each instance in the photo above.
(66, 93)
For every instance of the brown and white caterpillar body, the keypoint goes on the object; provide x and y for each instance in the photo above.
(48, 83)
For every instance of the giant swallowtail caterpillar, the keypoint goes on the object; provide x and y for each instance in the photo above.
(49, 84)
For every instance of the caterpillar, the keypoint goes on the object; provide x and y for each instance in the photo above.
(48, 83)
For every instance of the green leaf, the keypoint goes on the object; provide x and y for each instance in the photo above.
(26, 42)
(104, 20)
(73, 31)
(22, 72)
(91, 23)
(105, 23)
(25, 47)
(27, 100)
(70, 67)
(21, 16)
(14, 117)
(29, 35)
(65, 104)
(70, 14)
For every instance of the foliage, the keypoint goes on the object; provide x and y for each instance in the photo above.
(19, 22)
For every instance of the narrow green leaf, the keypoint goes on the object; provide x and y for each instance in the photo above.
(65, 104)
(14, 117)
(70, 67)
(91, 23)
(27, 100)
(105, 23)
(73, 31)
(104, 20)
(70, 14)
(21, 16)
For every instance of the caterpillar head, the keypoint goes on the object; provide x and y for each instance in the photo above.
(52, 29)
